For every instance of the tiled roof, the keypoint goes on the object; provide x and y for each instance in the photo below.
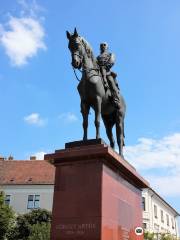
(26, 172)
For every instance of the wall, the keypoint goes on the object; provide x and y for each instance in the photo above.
(19, 196)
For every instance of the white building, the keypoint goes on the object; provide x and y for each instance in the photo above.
(158, 215)
(29, 184)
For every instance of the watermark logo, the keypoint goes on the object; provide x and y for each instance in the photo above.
(139, 231)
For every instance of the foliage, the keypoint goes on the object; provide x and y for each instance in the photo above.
(38, 216)
(40, 231)
(149, 236)
(160, 236)
(24, 223)
(6, 217)
(167, 236)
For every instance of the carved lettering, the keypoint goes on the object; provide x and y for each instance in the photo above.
(76, 229)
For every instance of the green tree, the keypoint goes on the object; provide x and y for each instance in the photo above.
(148, 236)
(24, 223)
(167, 236)
(38, 216)
(6, 217)
(40, 231)
(160, 236)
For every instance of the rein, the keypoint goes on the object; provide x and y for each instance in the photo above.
(76, 74)
(85, 70)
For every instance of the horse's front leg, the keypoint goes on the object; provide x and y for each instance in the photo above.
(97, 116)
(85, 112)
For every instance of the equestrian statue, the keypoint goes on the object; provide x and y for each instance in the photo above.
(98, 88)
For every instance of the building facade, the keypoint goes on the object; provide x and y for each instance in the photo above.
(29, 184)
(158, 215)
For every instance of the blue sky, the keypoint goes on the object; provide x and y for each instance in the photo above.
(38, 97)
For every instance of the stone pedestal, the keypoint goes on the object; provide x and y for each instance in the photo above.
(97, 194)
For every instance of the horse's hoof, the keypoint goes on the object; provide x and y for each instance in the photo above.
(112, 145)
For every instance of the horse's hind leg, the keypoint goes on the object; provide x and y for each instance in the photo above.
(85, 112)
(120, 132)
(97, 116)
(110, 136)
(109, 125)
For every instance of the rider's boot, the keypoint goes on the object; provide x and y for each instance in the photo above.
(105, 82)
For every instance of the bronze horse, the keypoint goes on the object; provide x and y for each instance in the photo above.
(93, 93)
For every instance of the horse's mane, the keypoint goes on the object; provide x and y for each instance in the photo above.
(88, 49)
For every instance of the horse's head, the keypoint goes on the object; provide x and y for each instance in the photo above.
(81, 51)
(76, 48)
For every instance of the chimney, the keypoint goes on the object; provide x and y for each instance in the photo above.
(32, 157)
(10, 158)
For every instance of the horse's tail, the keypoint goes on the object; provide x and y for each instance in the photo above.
(123, 133)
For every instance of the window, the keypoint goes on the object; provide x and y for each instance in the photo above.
(172, 221)
(155, 211)
(30, 201)
(36, 201)
(167, 218)
(156, 228)
(33, 201)
(144, 225)
(162, 216)
(7, 199)
(143, 203)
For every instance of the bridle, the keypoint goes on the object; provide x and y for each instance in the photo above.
(86, 70)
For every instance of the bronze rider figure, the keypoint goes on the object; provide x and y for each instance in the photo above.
(105, 61)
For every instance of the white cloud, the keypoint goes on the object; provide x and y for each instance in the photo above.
(155, 153)
(166, 185)
(39, 155)
(68, 117)
(35, 119)
(23, 36)
(30, 8)
(161, 156)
